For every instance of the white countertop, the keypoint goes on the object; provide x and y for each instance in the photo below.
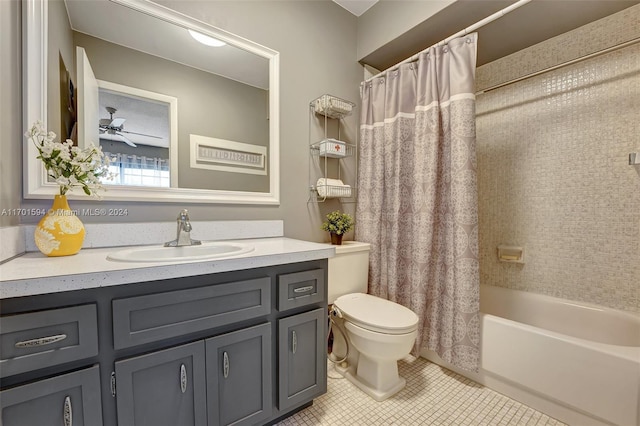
(34, 273)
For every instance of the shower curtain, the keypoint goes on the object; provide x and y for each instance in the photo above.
(417, 197)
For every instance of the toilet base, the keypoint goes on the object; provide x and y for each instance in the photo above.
(392, 382)
(376, 394)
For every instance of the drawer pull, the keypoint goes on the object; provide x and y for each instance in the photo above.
(183, 378)
(294, 342)
(225, 365)
(41, 341)
(303, 289)
(67, 412)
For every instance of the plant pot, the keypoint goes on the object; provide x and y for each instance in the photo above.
(336, 239)
(59, 232)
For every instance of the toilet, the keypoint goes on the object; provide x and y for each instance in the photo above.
(378, 332)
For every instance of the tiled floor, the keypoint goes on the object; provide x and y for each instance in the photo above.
(433, 396)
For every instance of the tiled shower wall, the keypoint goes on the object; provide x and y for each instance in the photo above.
(553, 172)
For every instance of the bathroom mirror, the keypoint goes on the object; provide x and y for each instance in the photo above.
(219, 142)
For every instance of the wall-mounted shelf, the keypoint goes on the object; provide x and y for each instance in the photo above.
(332, 148)
(331, 154)
(332, 106)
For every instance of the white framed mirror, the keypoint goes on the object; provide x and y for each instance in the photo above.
(206, 112)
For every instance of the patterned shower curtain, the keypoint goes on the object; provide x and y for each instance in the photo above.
(417, 200)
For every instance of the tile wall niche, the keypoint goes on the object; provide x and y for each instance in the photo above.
(553, 172)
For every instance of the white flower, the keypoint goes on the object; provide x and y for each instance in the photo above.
(70, 166)
(47, 150)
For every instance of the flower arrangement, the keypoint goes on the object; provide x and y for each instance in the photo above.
(338, 223)
(70, 166)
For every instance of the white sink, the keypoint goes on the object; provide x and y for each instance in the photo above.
(205, 251)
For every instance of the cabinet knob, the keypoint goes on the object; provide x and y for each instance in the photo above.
(225, 365)
(183, 378)
(294, 342)
(67, 412)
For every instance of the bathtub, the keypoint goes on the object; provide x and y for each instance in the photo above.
(576, 362)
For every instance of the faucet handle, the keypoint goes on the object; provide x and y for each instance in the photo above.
(184, 215)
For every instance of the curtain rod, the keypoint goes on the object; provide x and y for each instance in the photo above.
(479, 24)
(561, 65)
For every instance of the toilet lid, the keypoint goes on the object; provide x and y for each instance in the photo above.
(376, 314)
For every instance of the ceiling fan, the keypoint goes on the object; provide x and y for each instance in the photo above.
(115, 126)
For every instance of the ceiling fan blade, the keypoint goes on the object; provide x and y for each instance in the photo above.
(141, 134)
(117, 122)
(126, 140)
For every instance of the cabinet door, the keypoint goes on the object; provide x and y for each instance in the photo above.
(162, 388)
(239, 376)
(302, 358)
(68, 400)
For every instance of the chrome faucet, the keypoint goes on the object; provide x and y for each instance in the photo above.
(183, 237)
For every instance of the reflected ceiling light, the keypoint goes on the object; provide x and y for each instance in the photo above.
(205, 39)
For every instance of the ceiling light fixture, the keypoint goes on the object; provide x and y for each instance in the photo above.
(205, 39)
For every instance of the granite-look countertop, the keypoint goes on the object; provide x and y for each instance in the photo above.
(34, 273)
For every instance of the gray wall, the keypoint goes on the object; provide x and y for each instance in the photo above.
(317, 45)
(207, 106)
(11, 139)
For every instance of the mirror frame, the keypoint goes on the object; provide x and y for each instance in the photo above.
(34, 53)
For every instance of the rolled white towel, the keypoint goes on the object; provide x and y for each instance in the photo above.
(331, 188)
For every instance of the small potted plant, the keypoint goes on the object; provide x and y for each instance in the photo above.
(337, 224)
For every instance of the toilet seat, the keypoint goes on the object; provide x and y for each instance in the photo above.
(377, 314)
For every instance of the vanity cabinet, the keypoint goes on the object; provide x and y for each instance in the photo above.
(240, 347)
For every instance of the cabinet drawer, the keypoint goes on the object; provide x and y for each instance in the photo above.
(149, 318)
(68, 399)
(44, 338)
(300, 289)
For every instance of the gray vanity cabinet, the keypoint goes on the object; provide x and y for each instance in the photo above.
(243, 347)
(302, 363)
(166, 387)
(71, 399)
(239, 376)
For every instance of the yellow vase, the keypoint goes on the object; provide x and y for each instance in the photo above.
(60, 232)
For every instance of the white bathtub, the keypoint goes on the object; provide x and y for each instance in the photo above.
(577, 362)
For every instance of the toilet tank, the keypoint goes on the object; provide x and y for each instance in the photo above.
(348, 269)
